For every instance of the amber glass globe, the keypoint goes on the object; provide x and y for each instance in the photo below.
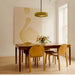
(41, 14)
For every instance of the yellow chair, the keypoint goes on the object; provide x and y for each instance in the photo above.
(27, 43)
(48, 52)
(62, 51)
(36, 51)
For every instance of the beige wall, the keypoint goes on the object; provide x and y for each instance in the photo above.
(71, 22)
(49, 23)
(7, 21)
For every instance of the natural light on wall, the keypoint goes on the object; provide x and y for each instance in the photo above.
(63, 24)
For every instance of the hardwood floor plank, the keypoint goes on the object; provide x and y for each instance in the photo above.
(7, 66)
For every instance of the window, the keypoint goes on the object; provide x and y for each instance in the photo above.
(63, 24)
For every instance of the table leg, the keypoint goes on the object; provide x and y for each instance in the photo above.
(22, 55)
(19, 60)
(69, 55)
(26, 59)
(57, 52)
(15, 55)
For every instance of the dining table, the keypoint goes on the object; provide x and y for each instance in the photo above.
(24, 47)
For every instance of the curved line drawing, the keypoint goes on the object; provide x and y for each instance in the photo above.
(28, 33)
(27, 11)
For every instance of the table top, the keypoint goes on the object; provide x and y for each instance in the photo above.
(46, 45)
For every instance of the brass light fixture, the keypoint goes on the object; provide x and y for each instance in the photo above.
(41, 14)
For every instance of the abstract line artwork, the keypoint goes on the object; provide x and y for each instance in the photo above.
(27, 27)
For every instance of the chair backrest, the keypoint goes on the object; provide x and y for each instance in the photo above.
(36, 50)
(63, 49)
(27, 43)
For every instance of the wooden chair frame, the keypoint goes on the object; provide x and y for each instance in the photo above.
(60, 52)
(29, 58)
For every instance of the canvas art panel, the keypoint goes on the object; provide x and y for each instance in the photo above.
(27, 27)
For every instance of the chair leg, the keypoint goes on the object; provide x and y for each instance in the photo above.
(58, 62)
(37, 61)
(44, 61)
(33, 59)
(26, 59)
(46, 58)
(39, 58)
(53, 60)
(66, 60)
(49, 60)
(29, 63)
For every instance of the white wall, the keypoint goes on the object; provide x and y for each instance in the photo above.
(7, 21)
(71, 22)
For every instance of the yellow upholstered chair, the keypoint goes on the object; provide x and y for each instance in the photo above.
(36, 51)
(62, 51)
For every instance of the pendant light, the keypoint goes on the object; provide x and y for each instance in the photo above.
(41, 14)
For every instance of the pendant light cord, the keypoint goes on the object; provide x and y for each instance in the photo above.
(40, 5)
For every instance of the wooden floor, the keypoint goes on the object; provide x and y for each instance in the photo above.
(8, 66)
